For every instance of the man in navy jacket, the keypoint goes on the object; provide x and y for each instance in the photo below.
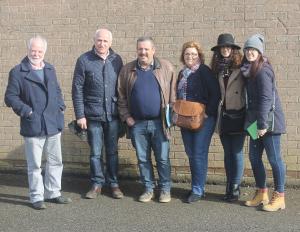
(34, 94)
(94, 94)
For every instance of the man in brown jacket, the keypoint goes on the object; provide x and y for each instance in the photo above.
(146, 87)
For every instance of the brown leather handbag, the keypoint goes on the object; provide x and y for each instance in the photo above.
(189, 115)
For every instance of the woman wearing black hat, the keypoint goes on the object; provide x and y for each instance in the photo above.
(225, 64)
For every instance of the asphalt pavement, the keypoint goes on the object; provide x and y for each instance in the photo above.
(127, 214)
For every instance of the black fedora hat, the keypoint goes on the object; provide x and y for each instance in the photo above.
(225, 39)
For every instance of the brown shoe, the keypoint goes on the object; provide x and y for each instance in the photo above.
(277, 202)
(116, 193)
(93, 193)
(261, 197)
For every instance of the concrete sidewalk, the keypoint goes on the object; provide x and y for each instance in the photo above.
(107, 214)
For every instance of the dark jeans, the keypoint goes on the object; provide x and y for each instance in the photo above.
(196, 144)
(147, 134)
(99, 134)
(233, 156)
(271, 144)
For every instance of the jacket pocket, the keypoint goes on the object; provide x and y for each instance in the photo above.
(60, 120)
(31, 126)
(93, 106)
(114, 106)
(90, 79)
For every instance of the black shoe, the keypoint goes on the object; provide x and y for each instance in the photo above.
(193, 198)
(227, 193)
(234, 193)
(39, 205)
(60, 200)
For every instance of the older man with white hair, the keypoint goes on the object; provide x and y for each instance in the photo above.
(94, 94)
(34, 94)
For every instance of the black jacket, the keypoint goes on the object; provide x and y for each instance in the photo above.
(203, 87)
(94, 88)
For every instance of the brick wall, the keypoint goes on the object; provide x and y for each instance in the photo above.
(69, 26)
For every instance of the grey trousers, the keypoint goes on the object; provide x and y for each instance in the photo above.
(34, 149)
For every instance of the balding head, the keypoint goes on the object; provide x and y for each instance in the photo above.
(102, 41)
(103, 31)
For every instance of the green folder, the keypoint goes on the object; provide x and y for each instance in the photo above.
(252, 130)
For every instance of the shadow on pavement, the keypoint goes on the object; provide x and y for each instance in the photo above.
(14, 199)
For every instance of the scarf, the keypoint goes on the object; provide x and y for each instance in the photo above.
(245, 69)
(182, 85)
(225, 65)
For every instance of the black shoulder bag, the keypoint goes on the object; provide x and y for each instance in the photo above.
(232, 121)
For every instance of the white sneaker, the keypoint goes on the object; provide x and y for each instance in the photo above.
(146, 197)
(164, 197)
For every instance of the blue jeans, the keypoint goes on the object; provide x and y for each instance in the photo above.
(271, 144)
(147, 134)
(233, 156)
(196, 144)
(99, 134)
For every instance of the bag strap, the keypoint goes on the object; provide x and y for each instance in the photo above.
(246, 99)
(273, 105)
(274, 87)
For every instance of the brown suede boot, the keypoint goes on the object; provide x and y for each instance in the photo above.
(277, 202)
(260, 197)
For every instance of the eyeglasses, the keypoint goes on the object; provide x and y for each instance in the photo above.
(193, 55)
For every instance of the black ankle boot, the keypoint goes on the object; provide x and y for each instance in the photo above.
(235, 193)
(227, 193)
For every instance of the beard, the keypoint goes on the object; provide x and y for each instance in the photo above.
(35, 61)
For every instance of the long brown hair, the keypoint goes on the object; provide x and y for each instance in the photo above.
(257, 64)
(236, 57)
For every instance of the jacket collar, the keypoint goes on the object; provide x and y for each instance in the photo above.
(26, 66)
(156, 64)
(111, 54)
(234, 75)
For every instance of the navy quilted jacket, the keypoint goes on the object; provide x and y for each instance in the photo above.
(94, 88)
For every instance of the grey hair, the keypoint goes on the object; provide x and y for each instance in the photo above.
(37, 37)
(103, 29)
(145, 38)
